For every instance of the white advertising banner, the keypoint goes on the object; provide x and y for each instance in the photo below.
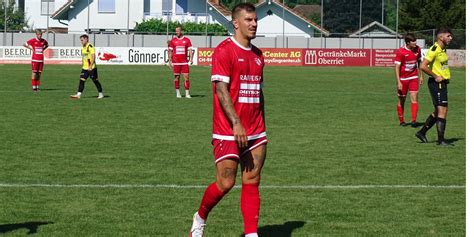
(53, 55)
(135, 55)
(104, 55)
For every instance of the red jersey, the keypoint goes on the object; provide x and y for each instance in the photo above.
(242, 69)
(180, 48)
(38, 45)
(408, 61)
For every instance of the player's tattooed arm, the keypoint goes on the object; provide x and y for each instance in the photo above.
(226, 103)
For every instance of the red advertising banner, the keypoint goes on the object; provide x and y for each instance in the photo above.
(383, 57)
(204, 56)
(336, 57)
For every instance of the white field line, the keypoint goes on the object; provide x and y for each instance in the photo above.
(176, 186)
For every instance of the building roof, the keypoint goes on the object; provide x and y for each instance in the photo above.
(220, 9)
(302, 17)
(61, 13)
(375, 30)
(308, 10)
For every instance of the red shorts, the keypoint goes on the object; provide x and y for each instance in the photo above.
(224, 149)
(177, 69)
(37, 66)
(408, 85)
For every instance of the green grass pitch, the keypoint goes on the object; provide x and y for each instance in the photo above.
(331, 130)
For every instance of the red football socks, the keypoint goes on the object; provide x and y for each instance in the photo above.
(186, 84)
(414, 111)
(250, 207)
(400, 113)
(176, 84)
(35, 83)
(211, 197)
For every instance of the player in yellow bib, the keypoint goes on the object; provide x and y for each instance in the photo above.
(89, 68)
(435, 64)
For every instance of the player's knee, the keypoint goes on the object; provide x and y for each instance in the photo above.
(251, 177)
(226, 184)
(442, 112)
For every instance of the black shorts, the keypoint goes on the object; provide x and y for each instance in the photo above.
(439, 92)
(92, 74)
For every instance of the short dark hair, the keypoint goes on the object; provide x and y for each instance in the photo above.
(409, 37)
(84, 36)
(443, 30)
(248, 7)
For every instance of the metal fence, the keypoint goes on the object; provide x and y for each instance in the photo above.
(459, 37)
(160, 40)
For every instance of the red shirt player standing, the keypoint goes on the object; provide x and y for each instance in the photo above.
(238, 122)
(179, 48)
(37, 45)
(406, 71)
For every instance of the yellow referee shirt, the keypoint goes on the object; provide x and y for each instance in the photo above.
(88, 52)
(438, 61)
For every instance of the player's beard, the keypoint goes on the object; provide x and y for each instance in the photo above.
(252, 34)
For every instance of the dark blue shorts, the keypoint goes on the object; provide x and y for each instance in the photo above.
(92, 74)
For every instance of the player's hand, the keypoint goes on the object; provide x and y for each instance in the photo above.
(399, 86)
(240, 135)
(439, 78)
(421, 80)
(89, 69)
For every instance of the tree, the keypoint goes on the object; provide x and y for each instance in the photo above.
(420, 17)
(160, 26)
(341, 16)
(344, 16)
(293, 3)
(390, 14)
(15, 18)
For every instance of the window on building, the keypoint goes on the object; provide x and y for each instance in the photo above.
(146, 7)
(47, 7)
(167, 7)
(21, 5)
(181, 6)
(106, 6)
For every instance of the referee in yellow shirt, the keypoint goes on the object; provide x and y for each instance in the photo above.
(89, 68)
(435, 64)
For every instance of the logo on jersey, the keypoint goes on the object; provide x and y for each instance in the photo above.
(258, 62)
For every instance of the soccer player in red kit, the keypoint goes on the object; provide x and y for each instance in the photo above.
(37, 45)
(239, 135)
(179, 49)
(406, 71)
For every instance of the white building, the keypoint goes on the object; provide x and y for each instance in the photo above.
(275, 19)
(76, 16)
(38, 12)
